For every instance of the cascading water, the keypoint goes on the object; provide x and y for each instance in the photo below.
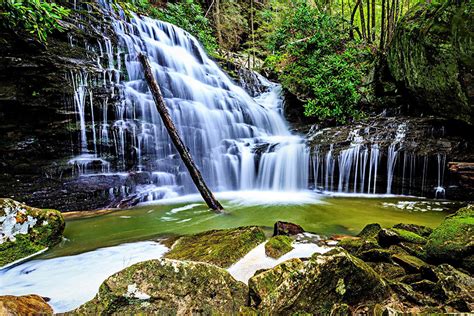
(237, 142)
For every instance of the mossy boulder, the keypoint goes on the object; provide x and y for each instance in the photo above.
(26, 230)
(315, 285)
(277, 246)
(370, 231)
(453, 240)
(420, 230)
(286, 228)
(24, 305)
(430, 57)
(220, 247)
(168, 287)
(356, 246)
(411, 264)
(393, 236)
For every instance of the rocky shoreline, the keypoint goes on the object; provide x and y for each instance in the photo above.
(403, 269)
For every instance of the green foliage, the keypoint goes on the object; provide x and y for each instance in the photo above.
(316, 60)
(37, 17)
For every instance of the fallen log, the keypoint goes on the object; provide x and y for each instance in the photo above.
(174, 135)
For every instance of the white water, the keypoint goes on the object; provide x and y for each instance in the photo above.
(73, 280)
(256, 259)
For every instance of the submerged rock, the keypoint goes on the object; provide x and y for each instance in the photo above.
(24, 305)
(277, 246)
(453, 240)
(315, 285)
(168, 287)
(220, 247)
(26, 230)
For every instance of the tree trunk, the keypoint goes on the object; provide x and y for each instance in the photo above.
(369, 36)
(217, 19)
(362, 20)
(382, 26)
(354, 11)
(174, 135)
(373, 20)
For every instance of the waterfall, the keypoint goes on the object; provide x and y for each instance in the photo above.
(239, 142)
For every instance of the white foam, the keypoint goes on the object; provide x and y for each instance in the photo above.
(247, 198)
(73, 280)
(256, 259)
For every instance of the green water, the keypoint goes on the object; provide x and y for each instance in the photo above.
(331, 215)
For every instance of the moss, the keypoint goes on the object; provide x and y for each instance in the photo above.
(21, 248)
(356, 246)
(45, 233)
(417, 229)
(409, 263)
(409, 236)
(370, 231)
(453, 240)
(168, 287)
(277, 246)
(219, 247)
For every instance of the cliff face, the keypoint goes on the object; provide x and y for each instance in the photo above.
(431, 59)
(38, 130)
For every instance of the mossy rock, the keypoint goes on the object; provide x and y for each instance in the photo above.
(370, 231)
(376, 255)
(411, 264)
(356, 246)
(277, 246)
(168, 287)
(24, 305)
(220, 247)
(387, 270)
(430, 58)
(315, 285)
(393, 236)
(35, 230)
(453, 240)
(420, 230)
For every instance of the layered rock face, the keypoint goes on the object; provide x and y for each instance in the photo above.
(431, 59)
(38, 130)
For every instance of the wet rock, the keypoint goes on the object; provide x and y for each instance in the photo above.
(356, 246)
(168, 287)
(24, 305)
(417, 229)
(454, 287)
(453, 240)
(315, 285)
(26, 230)
(286, 228)
(220, 247)
(277, 246)
(387, 270)
(376, 255)
(411, 264)
(393, 236)
(370, 231)
(429, 58)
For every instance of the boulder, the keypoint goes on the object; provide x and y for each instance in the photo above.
(453, 240)
(430, 58)
(277, 246)
(168, 287)
(315, 285)
(420, 230)
(370, 231)
(411, 264)
(26, 230)
(220, 247)
(286, 228)
(24, 305)
(393, 236)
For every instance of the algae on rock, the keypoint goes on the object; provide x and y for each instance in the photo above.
(168, 287)
(220, 247)
(26, 230)
(277, 246)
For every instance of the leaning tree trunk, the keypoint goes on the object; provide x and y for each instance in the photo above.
(354, 11)
(362, 20)
(174, 135)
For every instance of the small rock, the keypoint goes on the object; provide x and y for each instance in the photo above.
(24, 305)
(286, 228)
(277, 246)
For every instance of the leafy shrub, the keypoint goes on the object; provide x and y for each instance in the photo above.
(37, 17)
(316, 60)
